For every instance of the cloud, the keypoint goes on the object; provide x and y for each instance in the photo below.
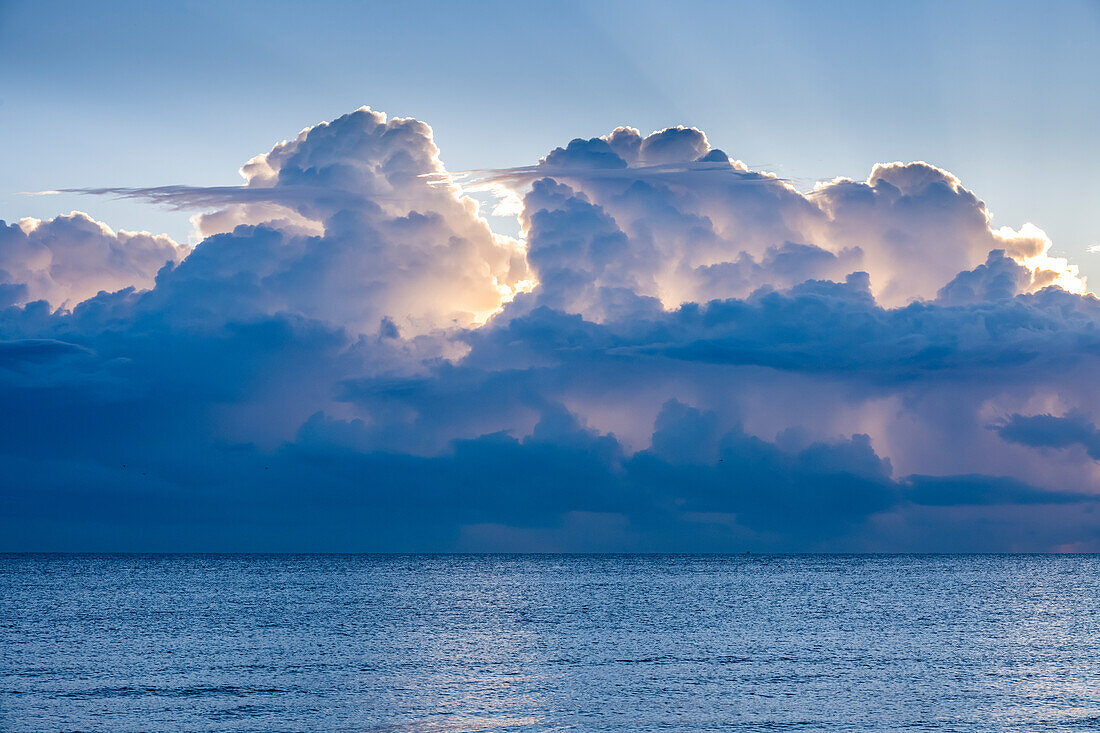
(679, 354)
(68, 259)
(317, 484)
(694, 220)
(979, 490)
(352, 222)
(1048, 431)
(1000, 278)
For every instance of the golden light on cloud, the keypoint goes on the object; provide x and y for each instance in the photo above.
(1030, 247)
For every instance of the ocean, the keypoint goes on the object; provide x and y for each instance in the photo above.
(550, 642)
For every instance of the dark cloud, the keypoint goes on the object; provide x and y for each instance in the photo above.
(1048, 431)
(323, 478)
(979, 490)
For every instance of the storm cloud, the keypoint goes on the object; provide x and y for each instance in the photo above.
(678, 353)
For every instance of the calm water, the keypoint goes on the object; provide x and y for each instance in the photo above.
(533, 643)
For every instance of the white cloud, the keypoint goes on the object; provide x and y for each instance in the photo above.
(70, 258)
(363, 224)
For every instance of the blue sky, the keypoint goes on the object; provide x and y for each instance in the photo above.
(735, 325)
(1003, 94)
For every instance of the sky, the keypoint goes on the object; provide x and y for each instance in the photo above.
(549, 277)
(1003, 94)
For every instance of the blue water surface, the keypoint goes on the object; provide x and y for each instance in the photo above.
(536, 643)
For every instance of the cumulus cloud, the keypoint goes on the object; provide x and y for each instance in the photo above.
(680, 353)
(694, 221)
(68, 259)
(352, 222)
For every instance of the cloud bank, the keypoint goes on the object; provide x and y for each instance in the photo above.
(679, 353)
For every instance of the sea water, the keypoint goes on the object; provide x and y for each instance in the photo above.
(551, 642)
